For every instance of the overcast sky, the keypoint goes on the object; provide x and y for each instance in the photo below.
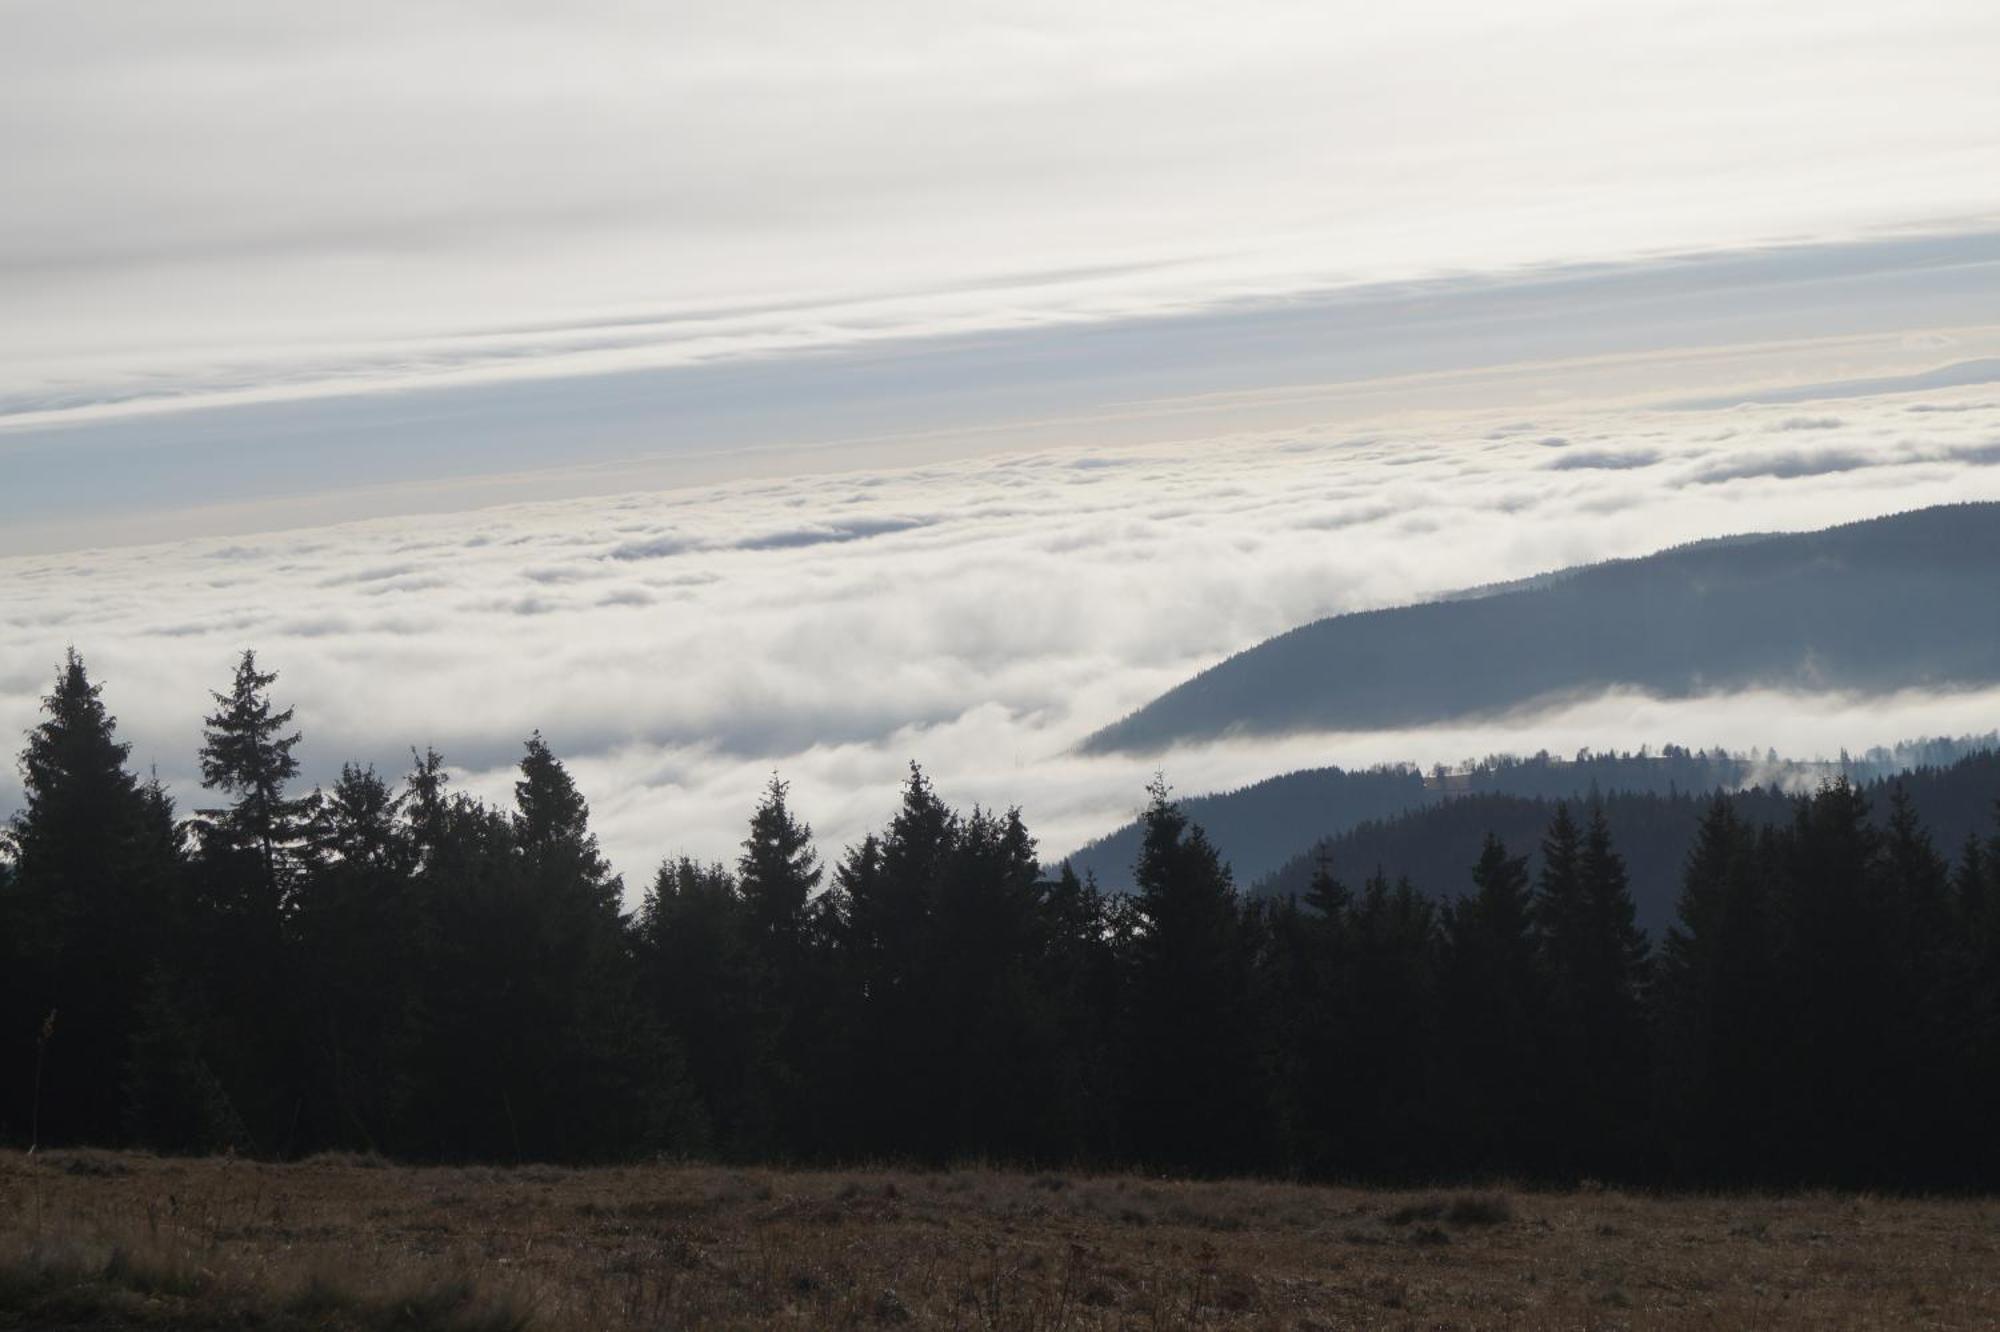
(237, 199)
(861, 382)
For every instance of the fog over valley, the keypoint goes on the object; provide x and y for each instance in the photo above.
(981, 617)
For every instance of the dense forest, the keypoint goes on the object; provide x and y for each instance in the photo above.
(393, 966)
(1432, 845)
(1869, 607)
(1269, 830)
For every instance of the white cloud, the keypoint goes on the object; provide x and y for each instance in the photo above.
(213, 198)
(979, 616)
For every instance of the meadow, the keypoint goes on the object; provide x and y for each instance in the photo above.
(93, 1240)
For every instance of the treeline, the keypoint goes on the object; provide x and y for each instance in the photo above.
(1269, 831)
(1653, 829)
(401, 968)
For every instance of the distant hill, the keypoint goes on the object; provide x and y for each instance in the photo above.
(1437, 845)
(1261, 827)
(1875, 606)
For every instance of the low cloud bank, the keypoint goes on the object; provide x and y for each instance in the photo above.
(981, 617)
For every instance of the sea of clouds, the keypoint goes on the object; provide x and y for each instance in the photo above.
(980, 617)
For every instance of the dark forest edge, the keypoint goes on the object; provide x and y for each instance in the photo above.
(406, 970)
(1270, 832)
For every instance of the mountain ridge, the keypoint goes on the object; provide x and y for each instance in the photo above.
(1872, 606)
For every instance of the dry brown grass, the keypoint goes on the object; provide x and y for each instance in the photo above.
(99, 1241)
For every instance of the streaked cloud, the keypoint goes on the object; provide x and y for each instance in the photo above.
(220, 202)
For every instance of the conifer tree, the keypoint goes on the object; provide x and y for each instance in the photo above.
(552, 830)
(1837, 972)
(1195, 1095)
(1392, 1002)
(890, 898)
(1305, 1003)
(995, 1026)
(356, 932)
(778, 871)
(1084, 982)
(785, 989)
(696, 970)
(247, 754)
(1929, 983)
(243, 988)
(426, 803)
(585, 1059)
(1716, 998)
(95, 857)
(1594, 959)
(1493, 1010)
(1977, 889)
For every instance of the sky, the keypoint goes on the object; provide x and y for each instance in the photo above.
(816, 387)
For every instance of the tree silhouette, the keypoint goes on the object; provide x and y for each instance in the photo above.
(413, 970)
(95, 861)
(1493, 1010)
(246, 753)
(1195, 1096)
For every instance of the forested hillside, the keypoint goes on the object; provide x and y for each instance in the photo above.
(388, 965)
(1261, 828)
(1892, 603)
(1436, 845)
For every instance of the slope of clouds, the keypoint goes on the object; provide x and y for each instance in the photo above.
(979, 616)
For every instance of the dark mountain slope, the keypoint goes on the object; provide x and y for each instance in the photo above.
(1886, 604)
(1260, 827)
(1437, 846)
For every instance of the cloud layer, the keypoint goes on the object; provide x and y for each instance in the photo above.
(980, 616)
(210, 199)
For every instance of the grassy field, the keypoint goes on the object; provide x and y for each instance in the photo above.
(101, 1241)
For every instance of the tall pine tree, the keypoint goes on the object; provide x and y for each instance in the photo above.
(96, 858)
(1195, 1098)
(1493, 1009)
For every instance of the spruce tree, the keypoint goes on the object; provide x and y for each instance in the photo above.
(1929, 983)
(1195, 1098)
(95, 858)
(785, 996)
(1716, 1000)
(1392, 1006)
(1083, 984)
(1493, 1011)
(890, 897)
(1594, 959)
(1836, 959)
(1615, 1011)
(777, 872)
(587, 1058)
(246, 753)
(356, 934)
(996, 1027)
(697, 972)
(552, 830)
